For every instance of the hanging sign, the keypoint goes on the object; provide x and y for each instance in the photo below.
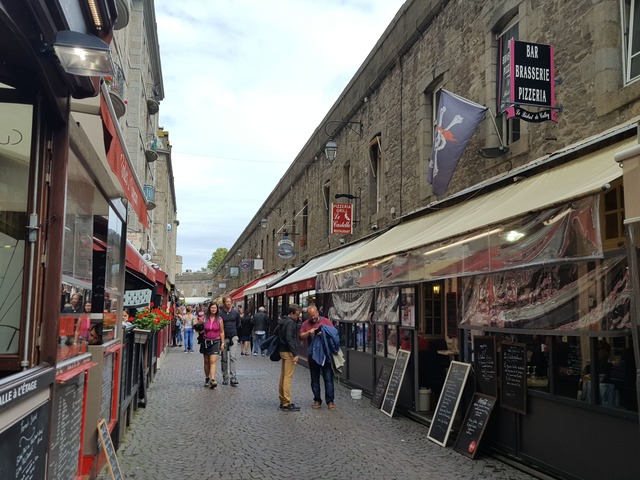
(245, 265)
(258, 264)
(341, 218)
(286, 248)
(531, 81)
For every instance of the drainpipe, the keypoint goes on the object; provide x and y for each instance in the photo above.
(33, 228)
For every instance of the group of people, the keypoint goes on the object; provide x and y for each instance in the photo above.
(223, 330)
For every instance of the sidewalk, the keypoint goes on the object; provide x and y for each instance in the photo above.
(239, 433)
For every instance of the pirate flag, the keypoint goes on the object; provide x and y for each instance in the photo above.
(458, 118)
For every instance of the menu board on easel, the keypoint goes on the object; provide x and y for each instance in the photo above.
(474, 424)
(514, 377)
(109, 450)
(485, 363)
(381, 386)
(395, 382)
(448, 402)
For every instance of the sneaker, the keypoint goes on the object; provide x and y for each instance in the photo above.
(255, 354)
(234, 383)
(213, 384)
(264, 354)
(290, 408)
(316, 405)
(206, 382)
(225, 382)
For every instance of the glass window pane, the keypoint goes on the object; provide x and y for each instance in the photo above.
(15, 160)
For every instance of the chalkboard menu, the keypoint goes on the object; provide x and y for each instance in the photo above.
(381, 386)
(474, 424)
(109, 450)
(23, 446)
(514, 377)
(485, 363)
(107, 386)
(64, 451)
(448, 402)
(395, 382)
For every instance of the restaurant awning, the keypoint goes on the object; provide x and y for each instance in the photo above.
(139, 265)
(569, 181)
(238, 294)
(262, 285)
(304, 278)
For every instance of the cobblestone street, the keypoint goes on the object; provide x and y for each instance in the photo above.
(188, 431)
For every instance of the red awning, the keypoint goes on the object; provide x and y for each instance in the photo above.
(136, 263)
(120, 165)
(161, 280)
(238, 295)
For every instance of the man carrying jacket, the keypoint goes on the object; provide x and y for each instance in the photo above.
(289, 356)
(309, 329)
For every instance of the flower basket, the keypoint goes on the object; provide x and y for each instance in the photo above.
(151, 319)
(140, 335)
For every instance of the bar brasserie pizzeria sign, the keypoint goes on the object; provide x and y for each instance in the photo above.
(529, 80)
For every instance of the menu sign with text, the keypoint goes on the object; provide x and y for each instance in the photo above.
(514, 377)
(486, 365)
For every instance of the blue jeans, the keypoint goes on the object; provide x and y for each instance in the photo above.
(257, 338)
(188, 339)
(327, 374)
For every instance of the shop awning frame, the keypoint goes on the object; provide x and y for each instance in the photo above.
(586, 175)
(263, 284)
(304, 278)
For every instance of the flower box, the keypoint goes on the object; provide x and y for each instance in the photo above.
(140, 335)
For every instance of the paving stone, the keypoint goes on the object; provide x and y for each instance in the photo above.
(239, 433)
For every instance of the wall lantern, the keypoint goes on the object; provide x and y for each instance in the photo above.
(436, 289)
(264, 223)
(331, 148)
(82, 54)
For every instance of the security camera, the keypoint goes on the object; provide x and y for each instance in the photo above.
(374, 226)
(605, 187)
(342, 240)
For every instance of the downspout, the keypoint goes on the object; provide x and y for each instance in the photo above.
(33, 228)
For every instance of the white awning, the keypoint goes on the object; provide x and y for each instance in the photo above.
(261, 286)
(554, 186)
(304, 278)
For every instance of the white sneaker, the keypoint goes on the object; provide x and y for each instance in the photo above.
(255, 354)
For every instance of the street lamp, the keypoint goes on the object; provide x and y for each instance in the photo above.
(82, 54)
(331, 148)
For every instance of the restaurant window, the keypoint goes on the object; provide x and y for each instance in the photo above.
(630, 11)
(433, 309)
(509, 129)
(375, 174)
(15, 162)
(612, 216)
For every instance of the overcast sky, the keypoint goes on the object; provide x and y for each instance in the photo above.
(246, 83)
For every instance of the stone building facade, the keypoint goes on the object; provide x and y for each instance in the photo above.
(194, 284)
(383, 124)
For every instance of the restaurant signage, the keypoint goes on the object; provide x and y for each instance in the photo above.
(529, 80)
(286, 248)
(341, 218)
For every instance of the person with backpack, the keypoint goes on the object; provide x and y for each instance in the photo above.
(260, 321)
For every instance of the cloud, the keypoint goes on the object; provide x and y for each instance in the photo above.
(239, 77)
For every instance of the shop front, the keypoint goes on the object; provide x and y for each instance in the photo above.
(537, 266)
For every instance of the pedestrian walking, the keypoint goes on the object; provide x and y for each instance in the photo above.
(211, 340)
(311, 332)
(260, 321)
(188, 319)
(246, 327)
(231, 319)
(289, 356)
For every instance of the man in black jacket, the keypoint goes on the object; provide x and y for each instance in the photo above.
(260, 321)
(231, 320)
(289, 356)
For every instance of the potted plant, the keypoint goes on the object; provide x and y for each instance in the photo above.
(149, 320)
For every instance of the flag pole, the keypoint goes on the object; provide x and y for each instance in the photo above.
(495, 125)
